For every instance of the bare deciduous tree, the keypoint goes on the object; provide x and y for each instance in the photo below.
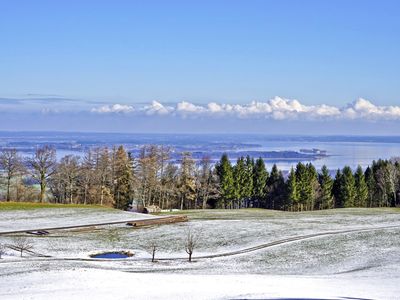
(163, 158)
(87, 175)
(22, 244)
(204, 180)
(148, 170)
(187, 183)
(43, 165)
(191, 242)
(151, 247)
(11, 164)
(104, 172)
(153, 250)
(69, 169)
(392, 180)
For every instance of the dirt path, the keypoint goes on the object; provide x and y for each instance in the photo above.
(287, 240)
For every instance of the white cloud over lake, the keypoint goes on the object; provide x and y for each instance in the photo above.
(277, 109)
(156, 108)
(116, 108)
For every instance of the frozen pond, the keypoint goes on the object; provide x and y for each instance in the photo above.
(111, 255)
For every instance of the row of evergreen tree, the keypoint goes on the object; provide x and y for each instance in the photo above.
(115, 177)
(248, 183)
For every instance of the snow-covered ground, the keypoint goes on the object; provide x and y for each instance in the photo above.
(359, 264)
(109, 284)
(14, 220)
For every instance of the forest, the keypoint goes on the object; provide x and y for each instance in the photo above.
(114, 177)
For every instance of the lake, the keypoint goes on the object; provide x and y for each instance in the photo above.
(340, 150)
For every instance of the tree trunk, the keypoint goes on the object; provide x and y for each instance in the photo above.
(153, 254)
(101, 195)
(70, 192)
(205, 198)
(150, 195)
(162, 198)
(85, 194)
(8, 188)
(42, 189)
(181, 202)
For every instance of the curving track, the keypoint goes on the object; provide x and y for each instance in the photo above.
(291, 239)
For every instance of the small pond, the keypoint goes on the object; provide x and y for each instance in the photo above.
(112, 255)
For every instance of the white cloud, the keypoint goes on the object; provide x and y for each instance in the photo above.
(186, 109)
(48, 111)
(156, 108)
(116, 108)
(365, 109)
(277, 108)
(215, 107)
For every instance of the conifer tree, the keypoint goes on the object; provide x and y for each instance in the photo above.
(371, 185)
(274, 189)
(347, 187)
(248, 180)
(336, 189)
(122, 179)
(292, 195)
(325, 199)
(302, 185)
(225, 174)
(313, 187)
(260, 177)
(239, 175)
(361, 196)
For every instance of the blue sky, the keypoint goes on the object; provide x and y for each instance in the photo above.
(75, 59)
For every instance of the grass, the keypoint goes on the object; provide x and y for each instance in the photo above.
(36, 205)
(256, 213)
(226, 214)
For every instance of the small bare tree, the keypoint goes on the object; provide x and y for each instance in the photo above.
(153, 248)
(150, 247)
(22, 244)
(191, 242)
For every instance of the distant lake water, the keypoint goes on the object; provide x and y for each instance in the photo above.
(340, 150)
(339, 154)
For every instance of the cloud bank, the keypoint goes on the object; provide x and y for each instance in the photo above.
(116, 108)
(277, 109)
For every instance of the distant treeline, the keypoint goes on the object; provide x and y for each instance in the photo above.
(114, 177)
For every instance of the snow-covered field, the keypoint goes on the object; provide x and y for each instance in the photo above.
(109, 284)
(14, 220)
(358, 264)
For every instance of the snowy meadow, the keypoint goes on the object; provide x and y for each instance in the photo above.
(249, 253)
